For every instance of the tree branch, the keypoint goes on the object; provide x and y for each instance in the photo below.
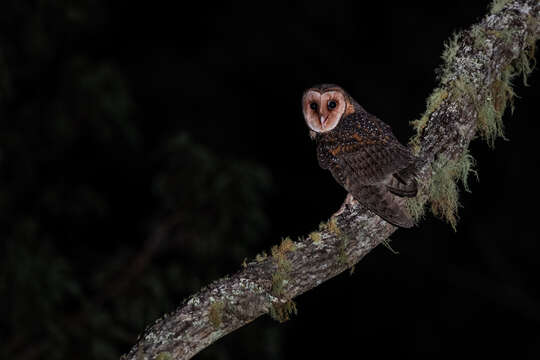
(470, 100)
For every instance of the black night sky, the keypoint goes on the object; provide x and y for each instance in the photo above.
(147, 148)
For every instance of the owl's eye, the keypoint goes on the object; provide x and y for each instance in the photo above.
(332, 104)
(313, 106)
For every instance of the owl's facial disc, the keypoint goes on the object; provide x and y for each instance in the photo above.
(322, 112)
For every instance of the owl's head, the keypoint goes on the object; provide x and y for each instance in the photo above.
(324, 106)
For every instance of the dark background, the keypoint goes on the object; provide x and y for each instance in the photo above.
(146, 149)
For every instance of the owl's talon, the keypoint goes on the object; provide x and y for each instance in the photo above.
(349, 201)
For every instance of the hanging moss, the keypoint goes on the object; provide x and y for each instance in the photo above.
(432, 103)
(444, 191)
(281, 311)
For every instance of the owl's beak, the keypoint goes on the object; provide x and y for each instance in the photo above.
(323, 120)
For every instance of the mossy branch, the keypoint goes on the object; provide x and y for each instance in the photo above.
(474, 90)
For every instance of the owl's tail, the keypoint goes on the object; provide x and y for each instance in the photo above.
(379, 200)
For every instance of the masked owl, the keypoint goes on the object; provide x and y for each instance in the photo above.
(361, 152)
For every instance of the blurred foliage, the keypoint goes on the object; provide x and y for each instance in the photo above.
(103, 228)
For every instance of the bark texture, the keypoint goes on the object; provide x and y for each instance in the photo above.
(469, 101)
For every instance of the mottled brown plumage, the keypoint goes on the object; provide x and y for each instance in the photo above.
(361, 152)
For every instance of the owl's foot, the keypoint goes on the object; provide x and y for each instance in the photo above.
(350, 201)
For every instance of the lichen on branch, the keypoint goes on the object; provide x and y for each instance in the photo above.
(478, 80)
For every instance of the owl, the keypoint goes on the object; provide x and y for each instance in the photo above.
(361, 152)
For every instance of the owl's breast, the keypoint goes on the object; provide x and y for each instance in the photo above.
(324, 155)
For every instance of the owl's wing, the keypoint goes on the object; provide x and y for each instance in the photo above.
(372, 172)
(403, 183)
(373, 162)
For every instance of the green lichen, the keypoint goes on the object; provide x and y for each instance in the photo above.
(448, 56)
(283, 266)
(464, 88)
(524, 66)
(497, 5)
(500, 95)
(506, 36)
(386, 243)
(529, 51)
(342, 258)
(342, 243)
(478, 33)
(279, 278)
(502, 92)
(282, 311)
(261, 257)
(333, 226)
(323, 226)
(490, 124)
(286, 245)
(443, 190)
(164, 356)
(432, 103)
(417, 205)
(140, 353)
(496, 98)
(526, 62)
(489, 104)
(215, 314)
(315, 237)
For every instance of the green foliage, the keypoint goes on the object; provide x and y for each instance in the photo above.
(221, 189)
(5, 80)
(42, 280)
(102, 221)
